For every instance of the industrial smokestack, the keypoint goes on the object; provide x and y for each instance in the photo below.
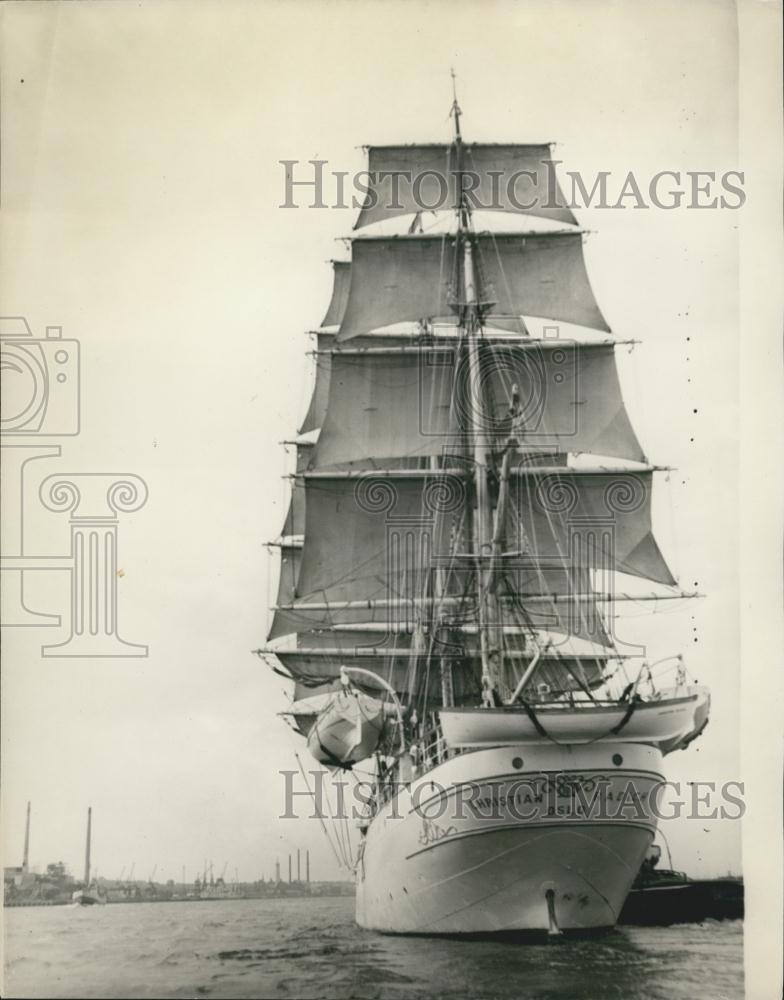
(299, 874)
(289, 867)
(26, 857)
(277, 871)
(307, 866)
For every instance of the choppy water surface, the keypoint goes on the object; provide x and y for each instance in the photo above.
(311, 948)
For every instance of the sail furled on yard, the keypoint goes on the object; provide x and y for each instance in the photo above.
(416, 402)
(409, 278)
(316, 664)
(319, 656)
(510, 177)
(570, 612)
(313, 670)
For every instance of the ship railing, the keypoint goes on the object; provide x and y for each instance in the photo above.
(424, 754)
(436, 750)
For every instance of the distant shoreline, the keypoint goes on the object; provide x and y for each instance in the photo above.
(186, 899)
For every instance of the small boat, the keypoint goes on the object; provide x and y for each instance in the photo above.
(348, 729)
(661, 896)
(87, 897)
(90, 895)
(670, 722)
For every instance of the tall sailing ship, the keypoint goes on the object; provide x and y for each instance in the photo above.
(469, 497)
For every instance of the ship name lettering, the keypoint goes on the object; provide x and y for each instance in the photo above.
(431, 832)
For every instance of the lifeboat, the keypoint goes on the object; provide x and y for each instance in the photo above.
(347, 729)
(669, 722)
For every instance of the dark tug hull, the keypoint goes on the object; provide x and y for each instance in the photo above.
(675, 900)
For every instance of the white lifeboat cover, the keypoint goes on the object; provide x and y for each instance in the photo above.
(347, 730)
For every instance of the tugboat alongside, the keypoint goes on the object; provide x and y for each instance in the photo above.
(660, 897)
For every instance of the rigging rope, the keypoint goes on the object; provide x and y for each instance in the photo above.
(318, 811)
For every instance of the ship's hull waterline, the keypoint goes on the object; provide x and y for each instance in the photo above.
(511, 839)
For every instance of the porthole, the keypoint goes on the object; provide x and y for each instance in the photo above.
(517, 763)
(617, 759)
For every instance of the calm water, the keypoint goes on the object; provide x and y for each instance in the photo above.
(312, 948)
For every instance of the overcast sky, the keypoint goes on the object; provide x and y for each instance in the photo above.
(141, 185)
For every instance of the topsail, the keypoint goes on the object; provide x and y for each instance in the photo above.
(509, 177)
(396, 279)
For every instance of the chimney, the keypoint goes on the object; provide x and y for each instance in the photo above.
(289, 867)
(277, 871)
(307, 866)
(26, 858)
(299, 875)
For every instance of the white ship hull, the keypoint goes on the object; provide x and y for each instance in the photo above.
(509, 829)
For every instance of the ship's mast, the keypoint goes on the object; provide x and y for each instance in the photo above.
(490, 625)
(87, 848)
(26, 857)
